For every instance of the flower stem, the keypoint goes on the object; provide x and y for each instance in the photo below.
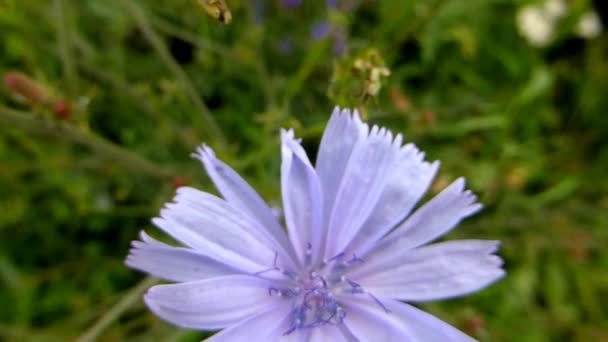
(156, 42)
(65, 47)
(118, 309)
(98, 144)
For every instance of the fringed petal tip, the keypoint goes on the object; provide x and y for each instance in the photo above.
(203, 152)
(353, 116)
(348, 116)
(466, 197)
(491, 246)
(287, 134)
(137, 245)
(346, 113)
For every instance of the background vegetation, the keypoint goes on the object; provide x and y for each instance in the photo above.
(131, 87)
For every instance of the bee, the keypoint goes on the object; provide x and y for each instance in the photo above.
(218, 9)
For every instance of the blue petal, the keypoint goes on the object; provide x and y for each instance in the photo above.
(267, 325)
(173, 263)
(211, 304)
(339, 138)
(434, 219)
(207, 223)
(242, 196)
(407, 182)
(361, 186)
(367, 321)
(302, 200)
(439, 271)
(419, 325)
(402, 323)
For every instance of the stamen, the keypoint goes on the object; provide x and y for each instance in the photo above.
(337, 256)
(356, 288)
(273, 268)
(314, 275)
(354, 259)
(285, 292)
(350, 337)
(293, 328)
(354, 285)
(312, 290)
(378, 302)
(308, 256)
(325, 262)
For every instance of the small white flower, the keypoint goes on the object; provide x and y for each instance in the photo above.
(555, 8)
(535, 25)
(589, 25)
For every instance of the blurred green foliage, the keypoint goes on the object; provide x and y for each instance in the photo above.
(527, 127)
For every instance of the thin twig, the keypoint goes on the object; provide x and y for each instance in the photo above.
(65, 48)
(171, 29)
(164, 54)
(101, 146)
(121, 87)
(118, 309)
(204, 44)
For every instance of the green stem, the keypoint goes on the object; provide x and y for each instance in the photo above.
(204, 44)
(101, 146)
(121, 87)
(118, 309)
(65, 50)
(164, 54)
(171, 29)
(296, 82)
(12, 333)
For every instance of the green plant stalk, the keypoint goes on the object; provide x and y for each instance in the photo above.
(65, 50)
(258, 63)
(298, 80)
(164, 54)
(130, 298)
(167, 28)
(99, 145)
(122, 87)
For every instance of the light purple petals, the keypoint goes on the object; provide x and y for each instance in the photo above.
(205, 222)
(242, 196)
(331, 333)
(302, 199)
(210, 304)
(368, 321)
(434, 219)
(350, 254)
(341, 134)
(173, 263)
(439, 271)
(408, 181)
(402, 323)
(362, 184)
(421, 326)
(267, 325)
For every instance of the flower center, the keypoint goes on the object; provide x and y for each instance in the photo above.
(312, 292)
(313, 304)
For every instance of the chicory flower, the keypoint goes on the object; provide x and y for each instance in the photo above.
(351, 256)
